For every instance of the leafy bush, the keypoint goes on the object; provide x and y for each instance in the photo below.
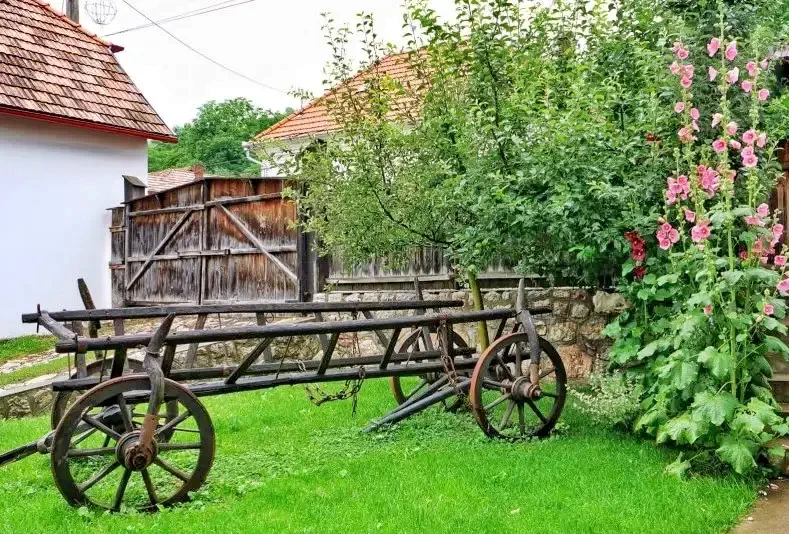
(611, 399)
(708, 308)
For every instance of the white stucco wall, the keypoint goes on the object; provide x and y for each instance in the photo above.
(56, 183)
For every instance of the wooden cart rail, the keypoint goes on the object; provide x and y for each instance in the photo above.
(270, 307)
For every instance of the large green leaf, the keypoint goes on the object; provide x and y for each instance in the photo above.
(747, 423)
(719, 362)
(683, 429)
(775, 344)
(738, 453)
(714, 408)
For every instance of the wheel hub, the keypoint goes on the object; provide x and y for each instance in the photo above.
(134, 455)
(523, 389)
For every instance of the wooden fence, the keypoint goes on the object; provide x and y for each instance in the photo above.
(216, 240)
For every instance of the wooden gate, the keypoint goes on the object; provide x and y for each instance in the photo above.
(216, 240)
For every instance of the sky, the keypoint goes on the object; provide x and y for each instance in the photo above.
(276, 42)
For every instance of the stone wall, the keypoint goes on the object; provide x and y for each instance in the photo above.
(574, 326)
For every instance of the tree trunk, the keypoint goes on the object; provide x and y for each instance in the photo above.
(476, 296)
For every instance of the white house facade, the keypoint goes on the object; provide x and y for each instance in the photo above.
(72, 124)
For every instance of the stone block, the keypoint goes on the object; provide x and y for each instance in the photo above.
(537, 294)
(319, 297)
(336, 296)
(561, 293)
(579, 311)
(370, 296)
(561, 308)
(544, 303)
(562, 333)
(18, 406)
(41, 400)
(608, 303)
(577, 363)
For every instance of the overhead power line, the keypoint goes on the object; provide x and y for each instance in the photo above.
(199, 53)
(185, 15)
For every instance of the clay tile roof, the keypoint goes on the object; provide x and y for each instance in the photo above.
(52, 68)
(313, 119)
(169, 178)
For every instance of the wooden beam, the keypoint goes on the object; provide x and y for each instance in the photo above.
(249, 360)
(55, 328)
(243, 200)
(191, 353)
(173, 209)
(390, 347)
(327, 353)
(222, 252)
(87, 301)
(174, 230)
(380, 335)
(260, 318)
(167, 359)
(259, 244)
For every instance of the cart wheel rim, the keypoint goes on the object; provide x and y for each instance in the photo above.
(400, 392)
(504, 403)
(87, 455)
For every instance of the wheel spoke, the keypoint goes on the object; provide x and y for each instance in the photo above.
(179, 446)
(505, 367)
(177, 473)
(81, 453)
(521, 420)
(492, 384)
(95, 423)
(518, 360)
(146, 478)
(547, 372)
(498, 401)
(127, 422)
(174, 423)
(506, 418)
(549, 394)
(536, 411)
(83, 437)
(116, 502)
(95, 479)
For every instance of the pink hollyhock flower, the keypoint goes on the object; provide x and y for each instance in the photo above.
(731, 128)
(751, 68)
(747, 86)
(686, 135)
(695, 126)
(753, 220)
(719, 145)
(700, 232)
(687, 70)
(783, 285)
(686, 82)
(763, 210)
(764, 94)
(764, 63)
(750, 161)
(676, 46)
(763, 260)
(679, 107)
(768, 309)
(731, 51)
(674, 68)
(761, 140)
(683, 53)
(742, 255)
(713, 46)
(664, 244)
(778, 230)
(716, 119)
(695, 114)
(708, 310)
(690, 216)
(733, 75)
(747, 151)
(673, 235)
(671, 197)
(780, 261)
(735, 144)
(749, 137)
(713, 73)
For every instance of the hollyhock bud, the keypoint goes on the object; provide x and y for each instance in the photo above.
(780, 261)
(768, 309)
(763, 210)
(731, 128)
(719, 145)
(764, 94)
(716, 119)
(686, 135)
(747, 86)
(764, 63)
(708, 310)
(679, 107)
(694, 114)
(761, 140)
(731, 51)
(751, 68)
(713, 73)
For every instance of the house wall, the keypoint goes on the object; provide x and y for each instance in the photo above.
(56, 183)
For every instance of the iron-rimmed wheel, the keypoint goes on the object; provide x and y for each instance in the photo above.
(505, 402)
(401, 391)
(87, 472)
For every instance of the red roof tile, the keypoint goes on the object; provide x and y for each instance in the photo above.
(169, 178)
(313, 119)
(52, 68)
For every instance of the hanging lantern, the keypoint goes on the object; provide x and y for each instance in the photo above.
(102, 12)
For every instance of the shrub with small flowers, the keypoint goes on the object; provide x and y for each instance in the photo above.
(709, 311)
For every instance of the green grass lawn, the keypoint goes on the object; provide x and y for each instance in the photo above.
(21, 346)
(284, 465)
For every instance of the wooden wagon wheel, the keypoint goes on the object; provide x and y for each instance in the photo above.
(99, 368)
(504, 401)
(412, 343)
(88, 473)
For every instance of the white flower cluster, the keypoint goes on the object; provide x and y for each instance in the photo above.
(610, 398)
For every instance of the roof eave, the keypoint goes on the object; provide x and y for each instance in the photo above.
(59, 119)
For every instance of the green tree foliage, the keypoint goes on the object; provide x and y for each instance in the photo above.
(214, 138)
